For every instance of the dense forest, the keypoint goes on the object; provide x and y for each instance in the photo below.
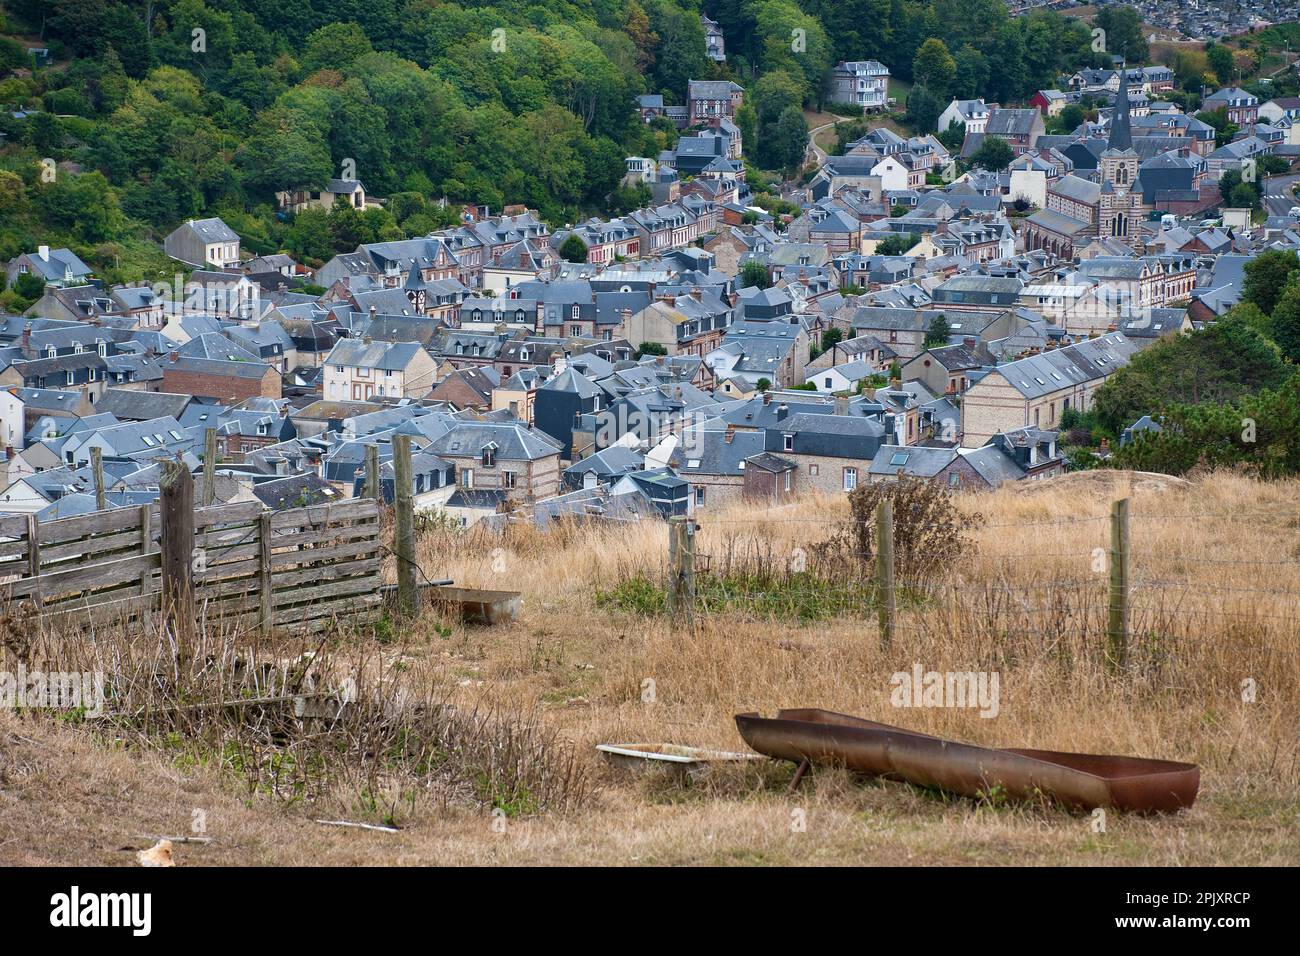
(170, 109)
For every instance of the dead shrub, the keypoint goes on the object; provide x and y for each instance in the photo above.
(930, 532)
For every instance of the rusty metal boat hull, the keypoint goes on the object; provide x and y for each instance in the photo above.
(1079, 781)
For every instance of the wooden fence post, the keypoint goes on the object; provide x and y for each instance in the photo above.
(209, 467)
(404, 531)
(372, 472)
(264, 573)
(885, 602)
(681, 566)
(674, 564)
(177, 514)
(146, 546)
(1117, 621)
(34, 556)
(97, 468)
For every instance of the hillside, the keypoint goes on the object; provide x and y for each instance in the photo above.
(1215, 570)
(211, 109)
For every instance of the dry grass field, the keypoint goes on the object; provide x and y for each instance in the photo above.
(514, 712)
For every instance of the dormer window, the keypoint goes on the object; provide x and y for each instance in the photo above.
(489, 455)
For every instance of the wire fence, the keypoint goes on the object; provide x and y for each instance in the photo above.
(1189, 574)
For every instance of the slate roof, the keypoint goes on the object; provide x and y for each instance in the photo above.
(912, 460)
(514, 441)
(1085, 361)
(59, 264)
(213, 230)
(357, 353)
(294, 491)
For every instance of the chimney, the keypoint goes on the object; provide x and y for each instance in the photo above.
(44, 253)
(373, 311)
(895, 383)
(767, 398)
(561, 363)
(27, 338)
(969, 342)
(659, 360)
(730, 433)
(781, 411)
(841, 404)
(173, 356)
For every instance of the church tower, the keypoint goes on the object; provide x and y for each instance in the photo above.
(1122, 203)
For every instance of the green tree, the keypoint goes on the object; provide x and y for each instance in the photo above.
(1070, 118)
(754, 275)
(1267, 276)
(1215, 365)
(573, 249)
(1123, 36)
(1260, 432)
(335, 46)
(938, 333)
(897, 243)
(1286, 320)
(29, 287)
(88, 205)
(972, 73)
(923, 109)
(1224, 130)
(790, 138)
(1220, 61)
(994, 154)
(934, 68)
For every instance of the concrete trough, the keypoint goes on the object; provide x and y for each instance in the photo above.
(478, 606)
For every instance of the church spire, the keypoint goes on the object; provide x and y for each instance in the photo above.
(1121, 132)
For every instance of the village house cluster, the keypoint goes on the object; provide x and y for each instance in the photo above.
(908, 320)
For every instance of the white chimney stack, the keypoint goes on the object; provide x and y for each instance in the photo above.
(44, 253)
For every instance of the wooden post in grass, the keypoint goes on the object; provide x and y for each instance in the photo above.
(404, 517)
(372, 472)
(1117, 621)
(97, 468)
(267, 595)
(885, 606)
(688, 566)
(34, 556)
(209, 467)
(146, 546)
(681, 565)
(177, 517)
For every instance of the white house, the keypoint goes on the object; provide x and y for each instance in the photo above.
(863, 83)
(974, 113)
(841, 378)
(13, 429)
(359, 369)
(893, 174)
(204, 242)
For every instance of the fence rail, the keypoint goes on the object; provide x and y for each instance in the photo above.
(291, 570)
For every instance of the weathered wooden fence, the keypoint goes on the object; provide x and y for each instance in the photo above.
(288, 570)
